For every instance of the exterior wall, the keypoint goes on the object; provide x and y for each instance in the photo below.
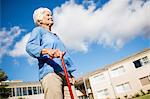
(129, 77)
(32, 90)
(101, 84)
(17, 92)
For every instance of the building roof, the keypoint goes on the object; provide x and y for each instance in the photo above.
(20, 83)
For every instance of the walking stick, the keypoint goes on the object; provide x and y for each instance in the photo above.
(67, 78)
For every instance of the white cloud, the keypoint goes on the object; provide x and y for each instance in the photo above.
(116, 23)
(7, 38)
(20, 47)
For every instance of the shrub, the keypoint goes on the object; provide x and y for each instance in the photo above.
(148, 91)
(133, 96)
(126, 96)
(137, 95)
(143, 93)
(118, 98)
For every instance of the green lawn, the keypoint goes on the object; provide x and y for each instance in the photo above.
(143, 97)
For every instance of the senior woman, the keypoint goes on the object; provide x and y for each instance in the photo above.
(44, 46)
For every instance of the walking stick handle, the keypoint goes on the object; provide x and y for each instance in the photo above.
(62, 55)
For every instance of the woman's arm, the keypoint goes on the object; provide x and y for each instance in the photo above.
(33, 46)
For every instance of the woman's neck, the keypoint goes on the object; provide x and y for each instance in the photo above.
(46, 27)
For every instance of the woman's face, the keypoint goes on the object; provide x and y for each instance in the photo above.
(47, 18)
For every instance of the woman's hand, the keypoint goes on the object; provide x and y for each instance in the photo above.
(53, 53)
(56, 53)
(50, 52)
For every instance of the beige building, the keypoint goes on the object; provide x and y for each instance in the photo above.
(31, 90)
(24, 90)
(126, 77)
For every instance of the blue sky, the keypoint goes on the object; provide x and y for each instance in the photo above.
(90, 49)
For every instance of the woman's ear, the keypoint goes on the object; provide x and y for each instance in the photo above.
(39, 22)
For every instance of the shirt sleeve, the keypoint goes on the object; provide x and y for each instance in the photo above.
(33, 46)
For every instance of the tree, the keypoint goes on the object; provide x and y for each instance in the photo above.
(4, 92)
(3, 76)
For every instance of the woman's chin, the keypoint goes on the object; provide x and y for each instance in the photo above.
(51, 24)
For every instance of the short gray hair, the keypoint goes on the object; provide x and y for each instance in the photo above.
(38, 14)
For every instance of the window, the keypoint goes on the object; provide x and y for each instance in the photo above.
(98, 78)
(40, 90)
(140, 62)
(123, 88)
(13, 92)
(24, 91)
(145, 80)
(81, 87)
(29, 90)
(137, 63)
(82, 97)
(145, 60)
(19, 93)
(102, 93)
(34, 90)
(117, 71)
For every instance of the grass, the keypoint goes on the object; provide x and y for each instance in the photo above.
(143, 97)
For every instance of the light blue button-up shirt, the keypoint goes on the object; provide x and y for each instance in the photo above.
(41, 38)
